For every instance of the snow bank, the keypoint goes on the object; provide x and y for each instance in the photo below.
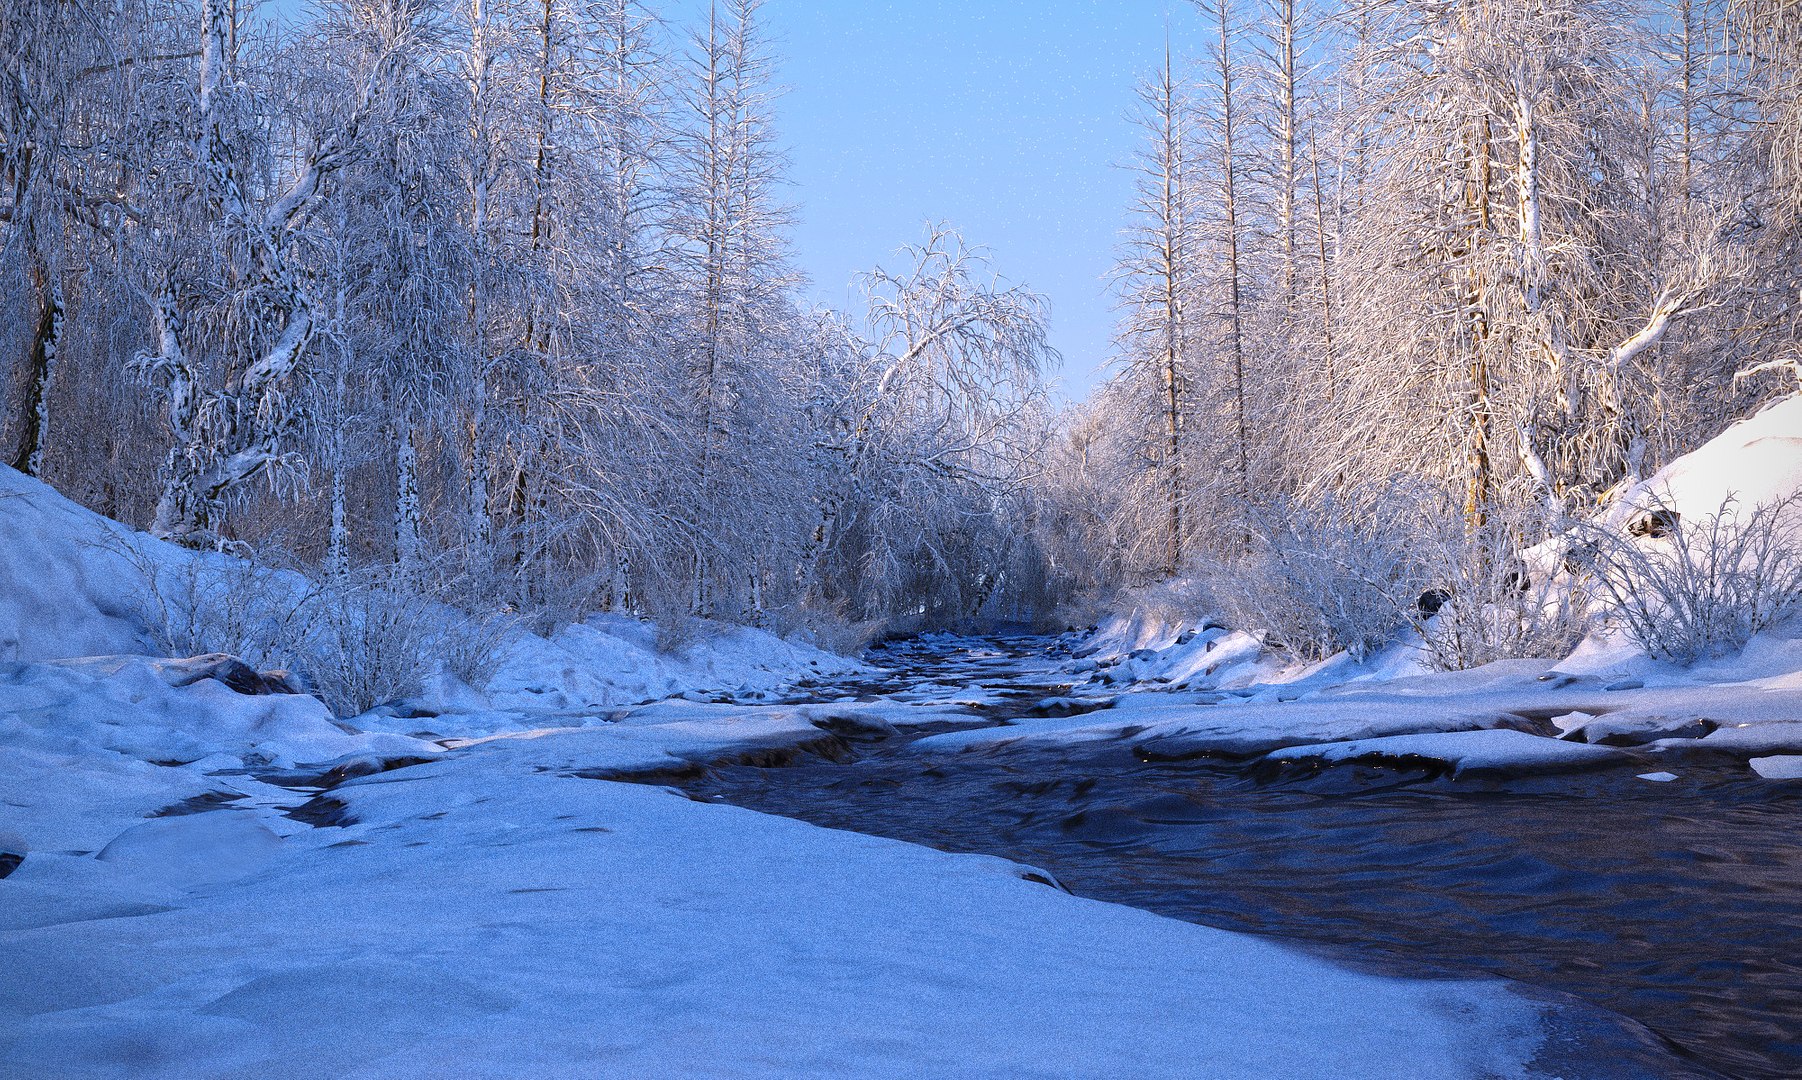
(71, 582)
(75, 584)
(483, 918)
(91, 746)
(613, 660)
(1464, 752)
(1757, 461)
(1164, 727)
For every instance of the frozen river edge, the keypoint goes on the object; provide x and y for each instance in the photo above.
(504, 910)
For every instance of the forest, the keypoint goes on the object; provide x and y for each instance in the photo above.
(469, 608)
(494, 302)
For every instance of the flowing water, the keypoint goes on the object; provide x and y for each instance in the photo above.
(1678, 905)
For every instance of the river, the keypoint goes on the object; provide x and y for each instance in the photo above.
(1678, 908)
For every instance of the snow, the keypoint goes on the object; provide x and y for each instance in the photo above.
(96, 742)
(1755, 462)
(1746, 740)
(1182, 685)
(71, 583)
(1466, 752)
(612, 660)
(1778, 766)
(1179, 728)
(486, 918)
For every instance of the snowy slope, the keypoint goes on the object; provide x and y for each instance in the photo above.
(71, 582)
(76, 584)
(1754, 462)
(611, 660)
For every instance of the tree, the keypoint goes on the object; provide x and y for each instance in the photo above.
(234, 432)
(937, 419)
(1156, 272)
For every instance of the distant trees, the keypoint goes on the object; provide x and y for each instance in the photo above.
(1515, 251)
(495, 296)
(942, 423)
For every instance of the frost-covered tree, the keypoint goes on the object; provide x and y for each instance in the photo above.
(1157, 276)
(234, 427)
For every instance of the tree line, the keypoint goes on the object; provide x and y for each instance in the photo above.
(495, 293)
(1433, 274)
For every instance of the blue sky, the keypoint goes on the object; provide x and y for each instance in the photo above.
(1006, 118)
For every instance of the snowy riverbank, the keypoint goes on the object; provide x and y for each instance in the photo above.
(211, 876)
(479, 905)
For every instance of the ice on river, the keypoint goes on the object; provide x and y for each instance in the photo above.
(1465, 752)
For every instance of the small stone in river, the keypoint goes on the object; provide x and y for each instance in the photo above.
(1778, 767)
(1658, 777)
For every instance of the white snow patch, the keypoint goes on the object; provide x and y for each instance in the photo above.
(1495, 751)
(1778, 766)
(613, 660)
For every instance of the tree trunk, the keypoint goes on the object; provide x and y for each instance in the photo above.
(40, 370)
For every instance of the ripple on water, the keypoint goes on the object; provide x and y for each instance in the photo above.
(1679, 905)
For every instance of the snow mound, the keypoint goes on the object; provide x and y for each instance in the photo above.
(92, 744)
(71, 581)
(1161, 727)
(76, 584)
(1755, 462)
(613, 660)
(1498, 751)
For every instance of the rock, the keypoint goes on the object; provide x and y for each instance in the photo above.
(231, 671)
(1432, 600)
(1655, 524)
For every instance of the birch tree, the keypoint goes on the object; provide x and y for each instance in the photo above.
(235, 431)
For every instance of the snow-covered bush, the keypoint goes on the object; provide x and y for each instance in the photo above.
(1494, 609)
(356, 639)
(374, 637)
(1341, 573)
(215, 603)
(1685, 590)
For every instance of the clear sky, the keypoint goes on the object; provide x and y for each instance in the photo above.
(1006, 118)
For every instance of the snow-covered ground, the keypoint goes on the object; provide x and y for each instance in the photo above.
(478, 895)
(478, 899)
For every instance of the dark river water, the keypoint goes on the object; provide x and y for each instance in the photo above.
(1677, 905)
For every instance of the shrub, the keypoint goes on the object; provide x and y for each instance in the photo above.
(357, 640)
(375, 636)
(1696, 589)
(1496, 610)
(1341, 573)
